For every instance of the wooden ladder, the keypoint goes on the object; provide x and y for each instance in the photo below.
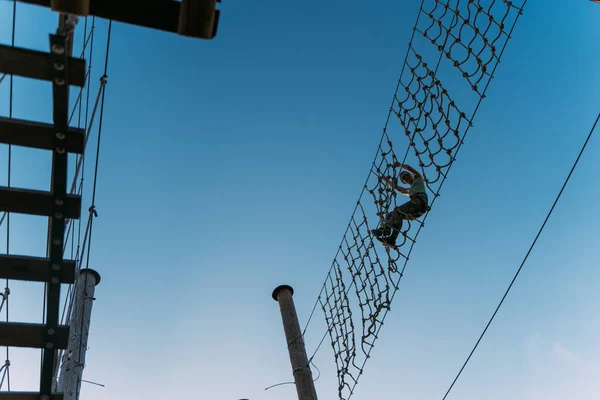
(193, 18)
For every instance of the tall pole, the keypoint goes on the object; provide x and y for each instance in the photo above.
(300, 366)
(73, 360)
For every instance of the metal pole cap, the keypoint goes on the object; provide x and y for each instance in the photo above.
(279, 289)
(91, 271)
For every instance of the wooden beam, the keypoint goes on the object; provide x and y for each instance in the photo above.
(154, 14)
(19, 334)
(39, 65)
(36, 202)
(29, 396)
(37, 135)
(197, 18)
(77, 7)
(35, 269)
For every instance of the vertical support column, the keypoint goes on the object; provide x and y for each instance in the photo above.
(198, 18)
(66, 26)
(77, 7)
(73, 360)
(300, 366)
(58, 187)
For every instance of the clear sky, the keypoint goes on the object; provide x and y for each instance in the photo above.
(231, 166)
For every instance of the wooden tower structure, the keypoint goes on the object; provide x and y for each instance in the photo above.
(192, 18)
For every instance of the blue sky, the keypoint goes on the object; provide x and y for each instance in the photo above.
(231, 166)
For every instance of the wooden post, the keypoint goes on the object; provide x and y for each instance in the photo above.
(77, 7)
(197, 18)
(300, 366)
(73, 360)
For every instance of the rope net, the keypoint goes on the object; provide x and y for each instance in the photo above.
(455, 48)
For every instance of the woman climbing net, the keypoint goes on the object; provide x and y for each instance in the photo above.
(416, 207)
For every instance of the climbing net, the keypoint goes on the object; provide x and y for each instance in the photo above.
(455, 45)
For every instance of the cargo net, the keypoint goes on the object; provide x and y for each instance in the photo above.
(451, 40)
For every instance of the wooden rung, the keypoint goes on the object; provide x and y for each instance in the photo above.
(38, 65)
(34, 269)
(37, 202)
(29, 396)
(18, 334)
(156, 14)
(37, 135)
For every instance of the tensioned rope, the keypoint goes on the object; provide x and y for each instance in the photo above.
(5, 369)
(472, 36)
(84, 240)
(93, 204)
(88, 38)
(80, 161)
(589, 136)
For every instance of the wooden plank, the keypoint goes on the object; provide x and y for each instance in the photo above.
(37, 135)
(36, 202)
(34, 269)
(29, 396)
(39, 65)
(154, 14)
(19, 334)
